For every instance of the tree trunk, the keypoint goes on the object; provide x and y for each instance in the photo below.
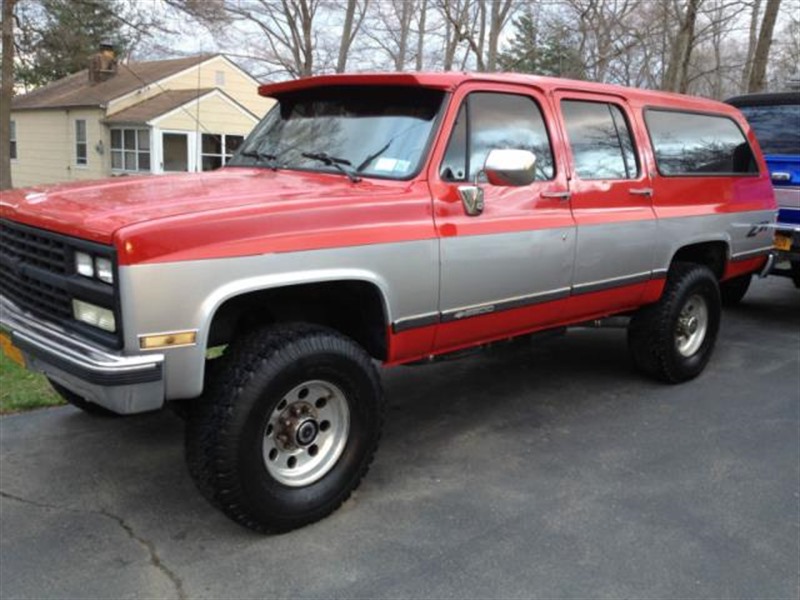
(758, 74)
(347, 36)
(677, 77)
(6, 94)
(423, 9)
(751, 45)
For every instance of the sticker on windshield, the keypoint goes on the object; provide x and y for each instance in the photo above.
(391, 165)
(386, 164)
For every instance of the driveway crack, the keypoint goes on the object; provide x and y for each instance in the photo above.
(155, 559)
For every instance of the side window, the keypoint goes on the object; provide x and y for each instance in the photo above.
(13, 140)
(697, 144)
(487, 121)
(81, 154)
(601, 141)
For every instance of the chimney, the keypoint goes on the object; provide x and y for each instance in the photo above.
(103, 64)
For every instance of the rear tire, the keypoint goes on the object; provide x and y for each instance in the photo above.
(733, 290)
(77, 401)
(288, 427)
(673, 339)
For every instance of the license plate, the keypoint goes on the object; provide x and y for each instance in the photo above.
(783, 242)
(11, 351)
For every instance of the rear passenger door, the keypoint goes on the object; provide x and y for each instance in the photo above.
(611, 197)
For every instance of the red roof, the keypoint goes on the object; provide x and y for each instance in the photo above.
(451, 80)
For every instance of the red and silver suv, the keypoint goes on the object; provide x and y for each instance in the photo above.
(378, 218)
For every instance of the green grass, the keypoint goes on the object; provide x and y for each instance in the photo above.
(22, 390)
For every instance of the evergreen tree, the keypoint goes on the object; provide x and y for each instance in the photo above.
(542, 50)
(57, 37)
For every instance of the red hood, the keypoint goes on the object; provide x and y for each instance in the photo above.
(201, 205)
(96, 210)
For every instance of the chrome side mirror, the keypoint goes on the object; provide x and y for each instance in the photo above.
(510, 167)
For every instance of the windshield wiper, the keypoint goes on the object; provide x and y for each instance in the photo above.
(262, 156)
(341, 164)
(365, 163)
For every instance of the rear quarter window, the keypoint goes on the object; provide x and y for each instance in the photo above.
(698, 144)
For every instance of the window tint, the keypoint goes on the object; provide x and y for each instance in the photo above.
(777, 127)
(601, 142)
(502, 121)
(381, 131)
(693, 144)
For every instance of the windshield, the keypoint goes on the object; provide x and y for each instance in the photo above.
(777, 127)
(354, 130)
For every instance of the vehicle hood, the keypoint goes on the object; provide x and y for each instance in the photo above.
(97, 210)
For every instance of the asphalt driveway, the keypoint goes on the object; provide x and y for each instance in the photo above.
(547, 470)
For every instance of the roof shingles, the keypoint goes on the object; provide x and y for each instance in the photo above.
(76, 89)
(157, 105)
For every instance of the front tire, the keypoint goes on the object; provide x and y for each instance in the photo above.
(673, 339)
(288, 427)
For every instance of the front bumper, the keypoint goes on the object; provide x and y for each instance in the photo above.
(123, 384)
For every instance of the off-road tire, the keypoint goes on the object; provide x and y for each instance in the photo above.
(733, 290)
(226, 428)
(77, 401)
(652, 331)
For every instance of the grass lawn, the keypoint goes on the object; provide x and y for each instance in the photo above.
(22, 390)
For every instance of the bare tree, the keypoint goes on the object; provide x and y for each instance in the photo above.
(479, 23)
(287, 28)
(676, 78)
(422, 12)
(352, 25)
(390, 29)
(6, 93)
(759, 71)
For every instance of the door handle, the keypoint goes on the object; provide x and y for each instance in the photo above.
(642, 192)
(557, 195)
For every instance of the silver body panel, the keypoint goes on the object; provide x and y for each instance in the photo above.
(185, 295)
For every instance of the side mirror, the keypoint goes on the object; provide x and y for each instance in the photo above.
(510, 167)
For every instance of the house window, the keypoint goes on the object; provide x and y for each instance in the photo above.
(13, 139)
(81, 154)
(130, 149)
(217, 149)
(219, 78)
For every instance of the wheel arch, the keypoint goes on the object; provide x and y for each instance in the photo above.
(353, 302)
(715, 254)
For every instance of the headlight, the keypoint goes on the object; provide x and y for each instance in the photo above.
(104, 269)
(96, 316)
(84, 264)
(98, 267)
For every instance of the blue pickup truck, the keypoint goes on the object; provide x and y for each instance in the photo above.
(776, 121)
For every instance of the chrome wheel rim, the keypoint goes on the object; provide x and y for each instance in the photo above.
(306, 433)
(692, 326)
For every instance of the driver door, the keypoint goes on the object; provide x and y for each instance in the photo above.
(508, 269)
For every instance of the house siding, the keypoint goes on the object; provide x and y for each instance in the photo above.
(46, 146)
(237, 85)
(213, 114)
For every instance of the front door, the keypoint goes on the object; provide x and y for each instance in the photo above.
(175, 152)
(507, 270)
